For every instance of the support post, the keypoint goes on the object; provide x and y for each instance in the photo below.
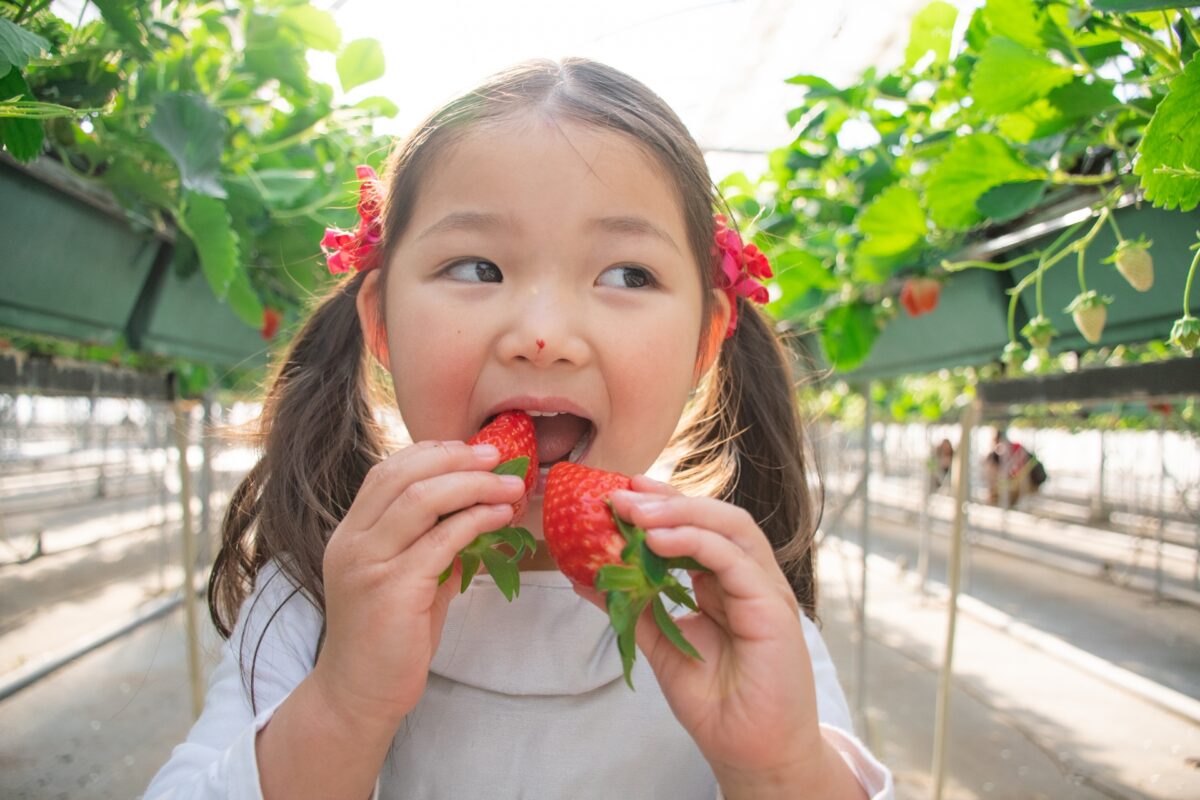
(860, 661)
(206, 478)
(1098, 512)
(182, 418)
(1160, 505)
(933, 467)
(954, 577)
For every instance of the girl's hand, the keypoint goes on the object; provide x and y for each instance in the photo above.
(384, 607)
(750, 705)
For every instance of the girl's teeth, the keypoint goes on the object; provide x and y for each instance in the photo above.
(543, 413)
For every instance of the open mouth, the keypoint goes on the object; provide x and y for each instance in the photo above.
(561, 436)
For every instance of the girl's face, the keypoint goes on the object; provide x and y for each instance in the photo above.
(546, 268)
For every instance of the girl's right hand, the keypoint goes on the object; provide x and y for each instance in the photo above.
(384, 607)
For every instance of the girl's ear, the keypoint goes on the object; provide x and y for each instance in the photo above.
(374, 332)
(714, 334)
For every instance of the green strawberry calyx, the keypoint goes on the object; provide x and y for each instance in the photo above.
(484, 548)
(1087, 300)
(640, 581)
(1185, 334)
(1039, 331)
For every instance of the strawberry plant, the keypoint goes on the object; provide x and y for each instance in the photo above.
(1020, 106)
(202, 120)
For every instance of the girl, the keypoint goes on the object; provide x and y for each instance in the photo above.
(546, 242)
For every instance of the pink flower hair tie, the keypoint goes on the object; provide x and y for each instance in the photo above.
(740, 266)
(346, 250)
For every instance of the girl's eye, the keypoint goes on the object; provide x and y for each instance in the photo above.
(626, 278)
(474, 270)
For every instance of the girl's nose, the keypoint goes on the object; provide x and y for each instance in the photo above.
(546, 329)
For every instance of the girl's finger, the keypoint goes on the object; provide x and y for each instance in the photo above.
(644, 483)
(736, 524)
(387, 479)
(738, 574)
(432, 552)
(418, 508)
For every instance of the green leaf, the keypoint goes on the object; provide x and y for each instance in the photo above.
(847, 334)
(678, 593)
(379, 106)
(119, 16)
(505, 573)
(817, 86)
(1169, 153)
(243, 299)
(931, 30)
(193, 132)
(973, 165)
(1062, 108)
(1010, 200)
(283, 187)
(470, 566)
(22, 138)
(207, 224)
(1019, 20)
(893, 223)
(514, 466)
(667, 625)
(1127, 6)
(1009, 77)
(17, 46)
(619, 577)
(361, 62)
(275, 51)
(316, 28)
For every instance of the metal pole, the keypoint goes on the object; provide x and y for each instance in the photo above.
(182, 418)
(206, 478)
(1161, 506)
(934, 468)
(860, 662)
(953, 576)
(1098, 514)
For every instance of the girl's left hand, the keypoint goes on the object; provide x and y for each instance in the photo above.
(750, 705)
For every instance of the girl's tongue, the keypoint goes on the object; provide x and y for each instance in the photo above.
(558, 435)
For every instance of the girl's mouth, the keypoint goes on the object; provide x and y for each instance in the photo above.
(561, 436)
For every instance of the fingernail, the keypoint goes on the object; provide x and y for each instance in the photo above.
(485, 450)
(512, 480)
(501, 508)
(649, 506)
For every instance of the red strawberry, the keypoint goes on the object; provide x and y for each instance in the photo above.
(512, 434)
(920, 295)
(270, 323)
(596, 548)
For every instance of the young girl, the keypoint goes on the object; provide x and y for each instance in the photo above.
(546, 242)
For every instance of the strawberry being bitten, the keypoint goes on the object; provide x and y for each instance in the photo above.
(513, 435)
(595, 548)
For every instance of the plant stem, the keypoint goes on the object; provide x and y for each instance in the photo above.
(1079, 267)
(1065, 178)
(1149, 45)
(1112, 221)
(1187, 287)
(1190, 24)
(1176, 43)
(997, 266)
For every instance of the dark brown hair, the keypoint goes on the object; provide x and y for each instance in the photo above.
(741, 439)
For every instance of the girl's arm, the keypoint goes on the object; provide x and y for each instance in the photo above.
(752, 704)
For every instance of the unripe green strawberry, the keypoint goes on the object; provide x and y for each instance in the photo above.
(1089, 310)
(1014, 355)
(1185, 334)
(596, 548)
(1134, 261)
(1039, 332)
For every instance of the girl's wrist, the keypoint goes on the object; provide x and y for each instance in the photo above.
(366, 724)
(817, 772)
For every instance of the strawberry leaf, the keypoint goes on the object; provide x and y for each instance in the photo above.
(613, 577)
(503, 571)
(686, 562)
(514, 466)
(470, 566)
(667, 625)
(680, 595)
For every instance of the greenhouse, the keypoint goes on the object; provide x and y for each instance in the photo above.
(894, 303)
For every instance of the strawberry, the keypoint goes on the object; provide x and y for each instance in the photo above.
(596, 548)
(1185, 334)
(920, 295)
(1089, 310)
(1039, 332)
(1134, 261)
(513, 435)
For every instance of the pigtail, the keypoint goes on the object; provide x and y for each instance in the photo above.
(319, 438)
(744, 443)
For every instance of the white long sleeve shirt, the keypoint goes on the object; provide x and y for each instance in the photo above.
(524, 700)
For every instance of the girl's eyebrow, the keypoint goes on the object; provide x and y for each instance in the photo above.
(461, 221)
(633, 226)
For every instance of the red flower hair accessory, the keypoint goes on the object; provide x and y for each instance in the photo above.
(740, 266)
(346, 250)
